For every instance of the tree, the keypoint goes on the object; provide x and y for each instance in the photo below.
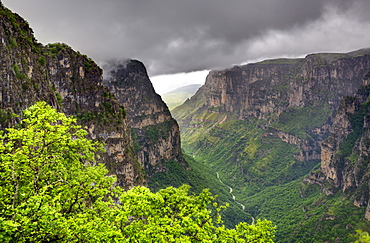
(52, 189)
(172, 215)
(48, 177)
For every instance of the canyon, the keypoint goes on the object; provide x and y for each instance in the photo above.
(289, 137)
(286, 121)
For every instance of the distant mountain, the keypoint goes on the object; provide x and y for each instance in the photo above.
(178, 96)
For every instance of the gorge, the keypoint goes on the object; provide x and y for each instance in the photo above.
(289, 136)
(265, 127)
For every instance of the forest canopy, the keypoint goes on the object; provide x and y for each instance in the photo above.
(52, 189)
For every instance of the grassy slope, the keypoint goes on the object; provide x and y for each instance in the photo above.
(245, 156)
(302, 214)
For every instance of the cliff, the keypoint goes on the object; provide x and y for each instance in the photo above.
(345, 153)
(70, 82)
(156, 133)
(268, 87)
(275, 91)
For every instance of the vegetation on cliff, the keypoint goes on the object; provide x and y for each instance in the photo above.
(156, 134)
(70, 82)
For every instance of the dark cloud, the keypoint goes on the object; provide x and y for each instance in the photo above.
(112, 65)
(172, 36)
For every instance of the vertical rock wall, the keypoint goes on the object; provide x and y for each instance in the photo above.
(156, 133)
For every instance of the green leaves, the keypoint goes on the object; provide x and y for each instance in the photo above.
(172, 215)
(47, 174)
(52, 190)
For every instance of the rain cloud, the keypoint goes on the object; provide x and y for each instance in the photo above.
(175, 36)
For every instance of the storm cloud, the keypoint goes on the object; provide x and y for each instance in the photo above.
(173, 36)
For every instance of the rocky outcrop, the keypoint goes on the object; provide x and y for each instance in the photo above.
(156, 133)
(246, 91)
(308, 149)
(70, 82)
(345, 154)
(340, 130)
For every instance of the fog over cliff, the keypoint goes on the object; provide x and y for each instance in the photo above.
(182, 36)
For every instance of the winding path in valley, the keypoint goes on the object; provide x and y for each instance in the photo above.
(233, 196)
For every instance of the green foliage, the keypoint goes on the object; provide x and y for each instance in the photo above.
(240, 150)
(158, 131)
(122, 112)
(303, 214)
(55, 48)
(41, 60)
(188, 108)
(172, 215)
(362, 236)
(298, 120)
(48, 180)
(87, 116)
(152, 132)
(200, 176)
(264, 173)
(357, 122)
(107, 115)
(5, 116)
(52, 190)
(106, 94)
(88, 63)
(21, 34)
(13, 42)
(18, 73)
(266, 178)
(108, 107)
(137, 146)
(59, 98)
(265, 160)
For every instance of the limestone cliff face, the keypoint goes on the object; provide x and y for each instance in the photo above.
(156, 133)
(345, 154)
(259, 89)
(272, 89)
(340, 130)
(245, 91)
(70, 82)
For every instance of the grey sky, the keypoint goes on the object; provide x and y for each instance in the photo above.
(172, 36)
